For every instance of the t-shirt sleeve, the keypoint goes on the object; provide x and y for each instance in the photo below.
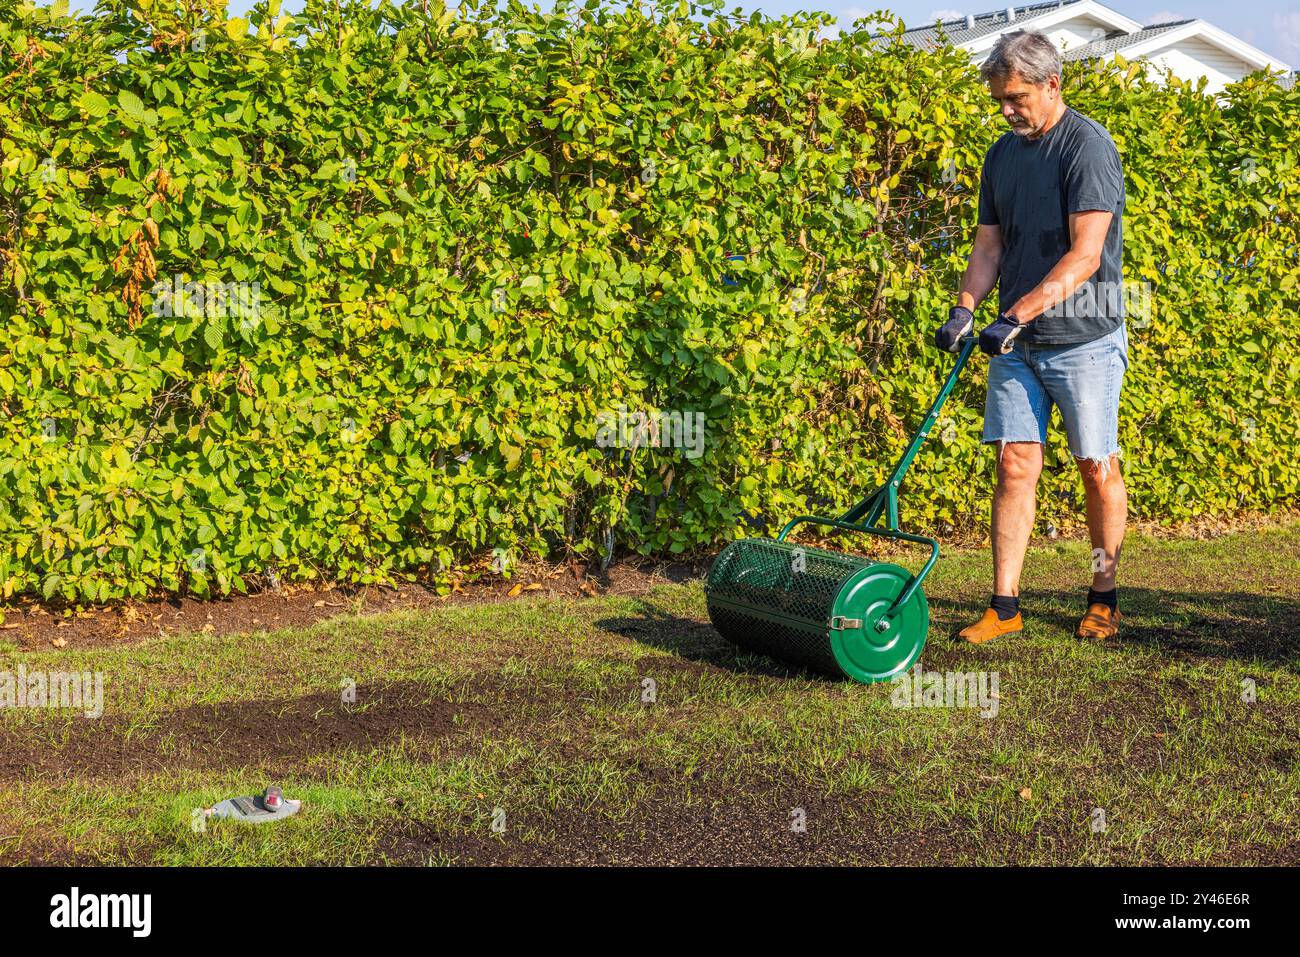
(1094, 178)
(988, 213)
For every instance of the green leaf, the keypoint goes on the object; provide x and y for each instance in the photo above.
(131, 104)
(213, 336)
(94, 104)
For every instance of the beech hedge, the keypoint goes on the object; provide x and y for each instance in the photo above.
(390, 291)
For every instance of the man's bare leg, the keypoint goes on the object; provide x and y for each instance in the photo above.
(1014, 501)
(1107, 499)
(1019, 465)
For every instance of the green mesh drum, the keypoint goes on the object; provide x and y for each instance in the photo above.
(818, 608)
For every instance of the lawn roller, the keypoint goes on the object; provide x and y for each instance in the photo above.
(840, 614)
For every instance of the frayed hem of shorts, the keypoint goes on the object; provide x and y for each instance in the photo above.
(1102, 463)
(1003, 443)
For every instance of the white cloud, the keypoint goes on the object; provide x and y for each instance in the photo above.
(1287, 28)
(945, 15)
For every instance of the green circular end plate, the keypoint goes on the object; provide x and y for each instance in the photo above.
(866, 654)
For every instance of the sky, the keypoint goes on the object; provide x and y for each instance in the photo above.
(1271, 25)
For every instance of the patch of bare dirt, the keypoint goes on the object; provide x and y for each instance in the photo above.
(34, 626)
(30, 849)
(767, 824)
(275, 734)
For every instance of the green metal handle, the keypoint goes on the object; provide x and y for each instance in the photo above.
(884, 500)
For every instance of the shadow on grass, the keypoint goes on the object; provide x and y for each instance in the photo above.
(1236, 626)
(698, 641)
(1230, 625)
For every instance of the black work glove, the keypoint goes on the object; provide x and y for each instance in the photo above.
(960, 322)
(996, 339)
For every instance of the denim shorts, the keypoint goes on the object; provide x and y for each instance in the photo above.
(1083, 380)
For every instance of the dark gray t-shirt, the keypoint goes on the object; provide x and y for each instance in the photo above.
(1028, 188)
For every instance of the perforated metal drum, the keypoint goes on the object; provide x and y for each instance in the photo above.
(822, 609)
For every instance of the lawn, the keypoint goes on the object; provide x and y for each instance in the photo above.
(624, 730)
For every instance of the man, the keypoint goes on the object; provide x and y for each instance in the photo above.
(1049, 235)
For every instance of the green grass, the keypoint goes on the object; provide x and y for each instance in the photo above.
(535, 708)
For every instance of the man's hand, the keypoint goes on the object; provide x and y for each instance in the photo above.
(997, 338)
(960, 322)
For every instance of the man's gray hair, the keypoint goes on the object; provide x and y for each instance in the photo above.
(1026, 52)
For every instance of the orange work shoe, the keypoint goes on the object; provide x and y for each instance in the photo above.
(990, 626)
(1100, 622)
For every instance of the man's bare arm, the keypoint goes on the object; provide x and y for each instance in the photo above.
(1087, 236)
(980, 278)
(982, 268)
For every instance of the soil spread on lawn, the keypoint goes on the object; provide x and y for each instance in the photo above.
(36, 626)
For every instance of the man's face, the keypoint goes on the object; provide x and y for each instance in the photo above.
(1026, 106)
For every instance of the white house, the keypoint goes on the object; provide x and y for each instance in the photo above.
(1085, 29)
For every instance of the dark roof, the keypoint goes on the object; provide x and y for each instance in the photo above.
(1118, 41)
(985, 23)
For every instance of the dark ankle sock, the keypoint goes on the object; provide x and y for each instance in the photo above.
(1006, 606)
(1107, 598)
